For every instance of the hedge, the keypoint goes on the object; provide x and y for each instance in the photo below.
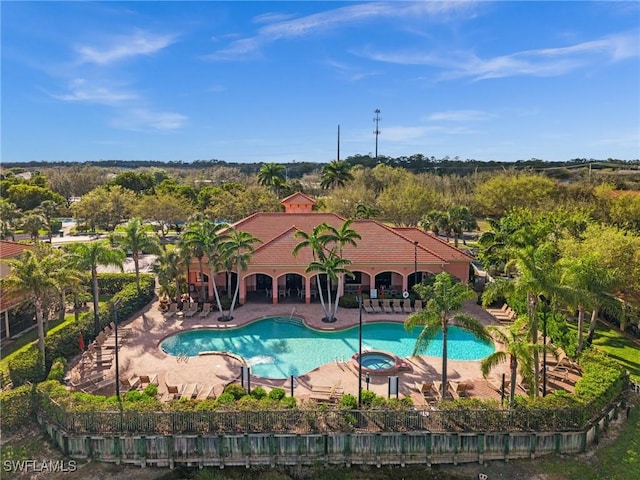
(16, 406)
(27, 366)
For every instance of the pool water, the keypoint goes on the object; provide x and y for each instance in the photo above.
(377, 361)
(280, 347)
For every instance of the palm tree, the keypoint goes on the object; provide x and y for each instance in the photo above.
(49, 210)
(77, 282)
(68, 277)
(90, 255)
(518, 349)
(32, 223)
(238, 249)
(203, 238)
(445, 297)
(333, 266)
(459, 220)
(335, 174)
(32, 276)
(345, 235)
(135, 237)
(9, 217)
(317, 241)
(590, 284)
(271, 175)
(365, 211)
(435, 221)
(168, 268)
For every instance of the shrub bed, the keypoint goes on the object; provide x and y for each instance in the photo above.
(27, 365)
(16, 407)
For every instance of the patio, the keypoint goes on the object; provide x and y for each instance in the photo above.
(139, 354)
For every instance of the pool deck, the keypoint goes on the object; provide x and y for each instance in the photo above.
(140, 354)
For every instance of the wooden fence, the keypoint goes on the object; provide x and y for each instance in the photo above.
(325, 438)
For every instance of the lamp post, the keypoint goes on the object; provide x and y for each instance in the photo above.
(359, 348)
(115, 331)
(367, 379)
(415, 262)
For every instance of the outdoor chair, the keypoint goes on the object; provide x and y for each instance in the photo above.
(457, 390)
(386, 305)
(206, 310)
(173, 309)
(369, 306)
(146, 380)
(130, 383)
(190, 391)
(206, 392)
(417, 306)
(427, 390)
(190, 312)
(173, 392)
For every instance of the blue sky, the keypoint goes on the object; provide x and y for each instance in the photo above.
(271, 81)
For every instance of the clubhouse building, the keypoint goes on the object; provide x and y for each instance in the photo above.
(386, 261)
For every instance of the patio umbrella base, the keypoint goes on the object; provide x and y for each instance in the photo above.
(225, 319)
(329, 320)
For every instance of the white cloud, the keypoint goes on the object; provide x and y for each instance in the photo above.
(459, 116)
(546, 62)
(122, 47)
(277, 28)
(144, 119)
(81, 91)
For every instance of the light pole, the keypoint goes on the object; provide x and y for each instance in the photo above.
(115, 331)
(360, 349)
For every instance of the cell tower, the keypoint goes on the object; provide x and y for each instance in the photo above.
(376, 132)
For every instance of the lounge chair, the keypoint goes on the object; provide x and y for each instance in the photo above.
(206, 392)
(206, 310)
(369, 306)
(507, 317)
(417, 306)
(497, 385)
(173, 309)
(332, 394)
(377, 306)
(190, 391)
(386, 306)
(457, 390)
(146, 380)
(173, 392)
(427, 390)
(395, 306)
(130, 383)
(190, 312)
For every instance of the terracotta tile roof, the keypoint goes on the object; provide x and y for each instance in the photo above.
(434, 244)
(379, 244)
(298, 197)
(12, 249)
(266, 226)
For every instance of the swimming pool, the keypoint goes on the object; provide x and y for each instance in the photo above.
(279, 347)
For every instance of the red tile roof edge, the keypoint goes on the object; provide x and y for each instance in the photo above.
(435, 237)
(297, 194)
(395, 231)
(11, 249)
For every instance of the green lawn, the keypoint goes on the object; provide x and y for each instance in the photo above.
(620, 347)
(617, 345)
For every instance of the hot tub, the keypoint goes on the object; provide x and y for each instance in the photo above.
(376, 362)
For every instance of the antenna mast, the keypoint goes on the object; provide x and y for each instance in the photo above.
(338, 143)
(377, 130)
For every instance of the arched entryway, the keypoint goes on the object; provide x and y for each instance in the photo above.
(388, 281)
